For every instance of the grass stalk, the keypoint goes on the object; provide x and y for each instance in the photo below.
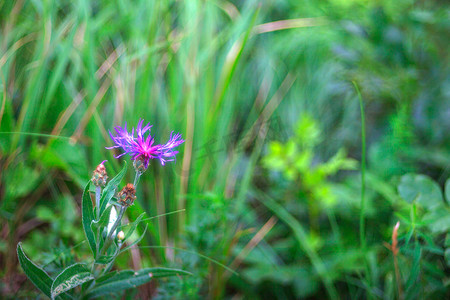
(362, 221)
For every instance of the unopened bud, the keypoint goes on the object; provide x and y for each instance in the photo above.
(127, 195)
(120, 236)
(140, 164)
(394, 239)
(99, 176)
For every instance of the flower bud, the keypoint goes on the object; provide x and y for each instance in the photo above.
(127, 195)
(140, 165)
(120, 236)
(99, 176)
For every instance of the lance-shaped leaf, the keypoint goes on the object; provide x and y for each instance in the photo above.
(87, 216)
(135, 242)
(130, 279)
(111, 187)
(104, 259)
(109, 256)
(104, 219)
(37, 276)
(133, 226)
(71, 277)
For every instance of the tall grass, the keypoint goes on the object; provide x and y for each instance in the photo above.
(73, 70)
(229, 76)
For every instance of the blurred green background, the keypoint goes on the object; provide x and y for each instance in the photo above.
(269, 177)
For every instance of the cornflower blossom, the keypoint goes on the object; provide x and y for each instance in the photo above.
(143, 148)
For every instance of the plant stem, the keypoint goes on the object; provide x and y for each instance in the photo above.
(108, 267)
(363, 171)
(397, 277)
(98, 191)
(136, 178)
(109, 238)
(362, 224)
(97, 205)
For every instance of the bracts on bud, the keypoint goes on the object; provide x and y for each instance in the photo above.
(140, 164)
(127, 195)
(100, 176)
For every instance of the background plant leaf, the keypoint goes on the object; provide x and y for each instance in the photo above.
(420, 188)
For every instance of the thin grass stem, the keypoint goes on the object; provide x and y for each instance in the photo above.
(192, 252)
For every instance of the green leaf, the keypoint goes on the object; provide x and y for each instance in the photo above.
(111, 187)
(302, 237)
(438, 219)
(160, 272)
(37, 275)
(420, 188)
(130, 279)
(87, 216)
(104, 259)
(104, 219)
(447, 249)
(133, 226)
(71, 277)
(413, 278)
(106, 277)
(136, 241)
(447, 190)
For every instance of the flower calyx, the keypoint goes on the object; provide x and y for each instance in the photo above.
(140, 164)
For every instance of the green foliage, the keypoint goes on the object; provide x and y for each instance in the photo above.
(88, 217)
(232, 80)
(420, 189)
(295, 159)
(111, 188)
(96, 281)
(115, 283)
(38, 276)
(70, 278)
(424, 219)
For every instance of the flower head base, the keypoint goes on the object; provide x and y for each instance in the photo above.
(99, 177)
(140, 165)
(141, 148)
(127, 195)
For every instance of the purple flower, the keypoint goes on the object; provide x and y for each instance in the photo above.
(143, 148)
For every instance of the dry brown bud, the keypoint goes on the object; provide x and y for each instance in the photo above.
(127, 195)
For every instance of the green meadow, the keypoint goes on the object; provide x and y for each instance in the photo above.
(315, 162)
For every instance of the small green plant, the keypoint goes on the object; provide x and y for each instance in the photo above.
(295, 159)
(424, 242)
(103, 229)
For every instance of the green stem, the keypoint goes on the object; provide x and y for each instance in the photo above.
(97, 205)
(109, 238)
(98, 192)
(362, 221)
(136, 178)
(108, 267)
(363, 171)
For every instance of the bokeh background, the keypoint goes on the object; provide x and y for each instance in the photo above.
(268, 182)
